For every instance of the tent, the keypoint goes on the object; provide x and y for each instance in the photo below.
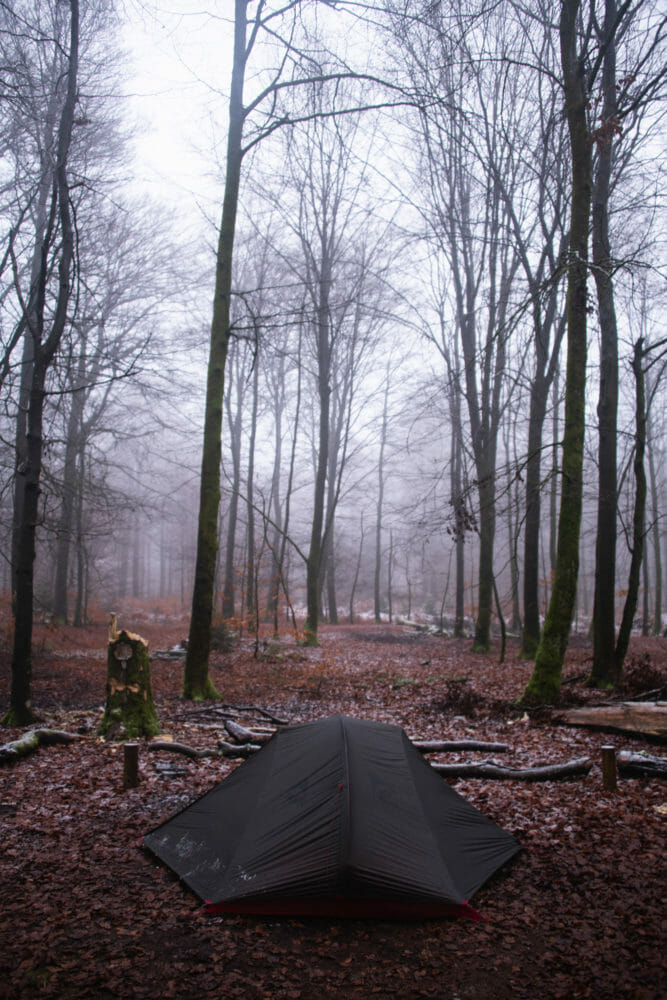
(339, 817)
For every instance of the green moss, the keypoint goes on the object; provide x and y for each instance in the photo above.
(204, 690)
(401, 682)
(480, 647)
(130, 710)
(15, 717)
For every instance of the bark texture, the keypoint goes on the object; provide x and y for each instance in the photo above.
(130, 711)
(197, 684)
(545, 682)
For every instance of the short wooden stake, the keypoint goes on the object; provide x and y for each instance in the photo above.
(130, 765)
(609, 768)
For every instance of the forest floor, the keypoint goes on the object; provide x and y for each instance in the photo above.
(86, 913)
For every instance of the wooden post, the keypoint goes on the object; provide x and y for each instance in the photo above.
(130, 765)
(609, 768)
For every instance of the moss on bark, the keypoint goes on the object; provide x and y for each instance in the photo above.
(130, 710)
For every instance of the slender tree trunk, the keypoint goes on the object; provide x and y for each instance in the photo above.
(20, 706)
(604, 606)
(332, 598)
(315, 552)
(487, 530)
(197, 684)
(513, 519)
(531, 544)
(273, 593)
(251, 574)
(646, 603)
(67, 508)
(457, 501)
(655, 534)
(554, 479)
(357, 568)
(377, 604)
(545, 682)
(390, 578)
(235, 440)
(81, 600)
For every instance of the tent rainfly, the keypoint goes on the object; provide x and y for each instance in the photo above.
(340, 817)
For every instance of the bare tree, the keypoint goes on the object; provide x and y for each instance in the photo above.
(250, 122)
(42, 321)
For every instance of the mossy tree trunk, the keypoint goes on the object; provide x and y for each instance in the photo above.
(544, 685)
(197, 684)
(130, 711)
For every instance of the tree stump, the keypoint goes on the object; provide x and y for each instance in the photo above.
(130, 710)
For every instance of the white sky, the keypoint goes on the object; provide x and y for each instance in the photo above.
(178, 55)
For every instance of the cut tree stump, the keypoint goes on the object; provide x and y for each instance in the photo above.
(646, 717)
(130, 710)
(29, 742)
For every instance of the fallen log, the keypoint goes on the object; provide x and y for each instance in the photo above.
(488, 769)
(242, 735)
(223, 749)
(31, 740)
(639, 765)
(260, 711)
(233, 750)
(443, 746)
(181, 748)
(646, 717)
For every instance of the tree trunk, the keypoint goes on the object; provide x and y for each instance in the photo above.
(487, 531)
(531, 540)
(234, 421)
(655, 534)
(196, 681)
(67, 507)
(250, 502)
(81, 599)
(130, 711)
(458, 501)
(377, 600)
(357, 568)
(332, 597)
(20, 706)
(315, 552)
(603, 672)
(555, 479)
(545, 682)
(630, 606)
(273, 592)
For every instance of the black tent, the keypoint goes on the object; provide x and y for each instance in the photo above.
(336, 817)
